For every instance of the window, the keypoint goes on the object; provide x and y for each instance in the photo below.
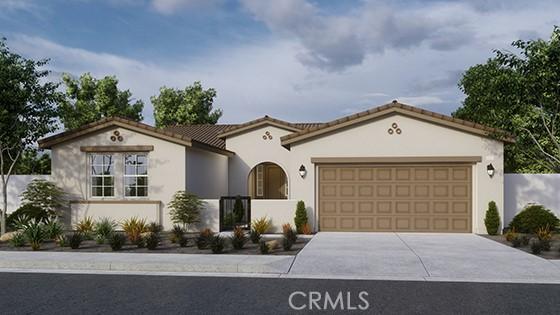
(102, 175)
(135, 175)
(260, 180)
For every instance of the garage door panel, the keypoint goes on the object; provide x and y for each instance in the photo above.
(417, 198)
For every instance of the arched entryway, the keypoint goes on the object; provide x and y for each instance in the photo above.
(268, 180)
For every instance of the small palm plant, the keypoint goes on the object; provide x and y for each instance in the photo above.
(35, 234)
(103, 229)
(133, 228)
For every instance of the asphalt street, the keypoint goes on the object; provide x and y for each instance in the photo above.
(36, 293)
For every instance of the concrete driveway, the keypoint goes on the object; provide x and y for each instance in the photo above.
(419, 256)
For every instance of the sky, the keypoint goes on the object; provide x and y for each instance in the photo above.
(297, 60)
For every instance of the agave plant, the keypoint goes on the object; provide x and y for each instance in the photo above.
(21, 221)
(103, 229)
(238, 238)
(35, 234)
(85, 227)
(133, 228)
(53, 228)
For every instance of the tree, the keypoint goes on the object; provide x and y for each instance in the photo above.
(45, 195)
(238, 210)
(520, 93)
(89, 99)
(301, 216)
(27, 111)
(193, 105)
(32, 161)
(185, 208)
(492, 219)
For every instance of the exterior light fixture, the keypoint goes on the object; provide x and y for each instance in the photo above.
(490, 169)
(302, 171)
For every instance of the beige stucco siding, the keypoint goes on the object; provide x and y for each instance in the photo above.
(166, 171)
(207, 173)
(250, 150)
(418, 138)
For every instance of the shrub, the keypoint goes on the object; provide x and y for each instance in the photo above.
(536, 246)
(35, 234)
(24, 214)
(254, 236)
(238, 238)
(185, 208)
(183, 241)
(524, 240)
(177, 233)
(86, 227)
(306, 229)
(103, 229)
(238, 210)
(133, 228)
(217, 244)
(516, 241)
(152, 241)
(301, 216)
(289, 233)
(492, 219)
(45, 195)
(204, 238)
(62, 240)
(544, 235)
(76, 240)
(263, 248)
(261, 225)
(511, 234)
(154, 227)
(287, 243)
(117, 241)
(53, 228)
(18, 240)
(533, 217)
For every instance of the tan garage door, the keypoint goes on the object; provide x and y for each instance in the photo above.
(415, 198)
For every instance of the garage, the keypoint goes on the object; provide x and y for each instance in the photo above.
(401, 197)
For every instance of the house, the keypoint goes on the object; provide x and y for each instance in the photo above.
(390, 168)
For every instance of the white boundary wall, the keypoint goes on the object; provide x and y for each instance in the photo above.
(521, 189)
(16, 185)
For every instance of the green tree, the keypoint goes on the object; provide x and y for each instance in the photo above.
(301, 216)
(89, 99)
(238, 210)
(193, 105)
(44, 194)
(520, 93)
(32, 161)
(185, 208)
(27, 112)
(492, 219)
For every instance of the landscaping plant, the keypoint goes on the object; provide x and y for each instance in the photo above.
(204, 238)
(533, 217)
(306, 229)
(133, 228)
(21, 221)
(185, 208)
(492, 219)
(18, 240)
(544, 235)
(511, 234)
(238, 238)
(103, 229)
(516, 241)
(53, 228)
(154, 227)
(254, 236)
(35, 234)
(183, 241)
(117, 241)
(177, 233)
(44, 195)
(289, 233)
(62, 240)
(261, 225)
(536, 246)
(152, 241)
(301, 216)
(238, 210)
(19, 218)
(86, 227)
(287, 243)
(263, 247)
(76, 240)
(217, 244)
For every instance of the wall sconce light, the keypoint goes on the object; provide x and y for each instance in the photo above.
(490, 169)
(302, 171)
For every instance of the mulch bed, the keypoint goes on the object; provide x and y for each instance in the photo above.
(165, 247)
(553, 253)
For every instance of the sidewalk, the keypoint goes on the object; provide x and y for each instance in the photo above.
(262, 264)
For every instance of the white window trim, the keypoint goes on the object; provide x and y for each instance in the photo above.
(124, 176)
(90, 177)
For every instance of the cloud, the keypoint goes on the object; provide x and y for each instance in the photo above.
(172, 6)
(334, 42)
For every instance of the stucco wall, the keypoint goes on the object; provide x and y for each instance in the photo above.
(116, 211)
(207, 173)
(521, 189)
(278, 211)
(418, 138)
(166, 167)
(16, 185)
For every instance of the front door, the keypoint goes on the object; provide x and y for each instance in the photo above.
(274, 183)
